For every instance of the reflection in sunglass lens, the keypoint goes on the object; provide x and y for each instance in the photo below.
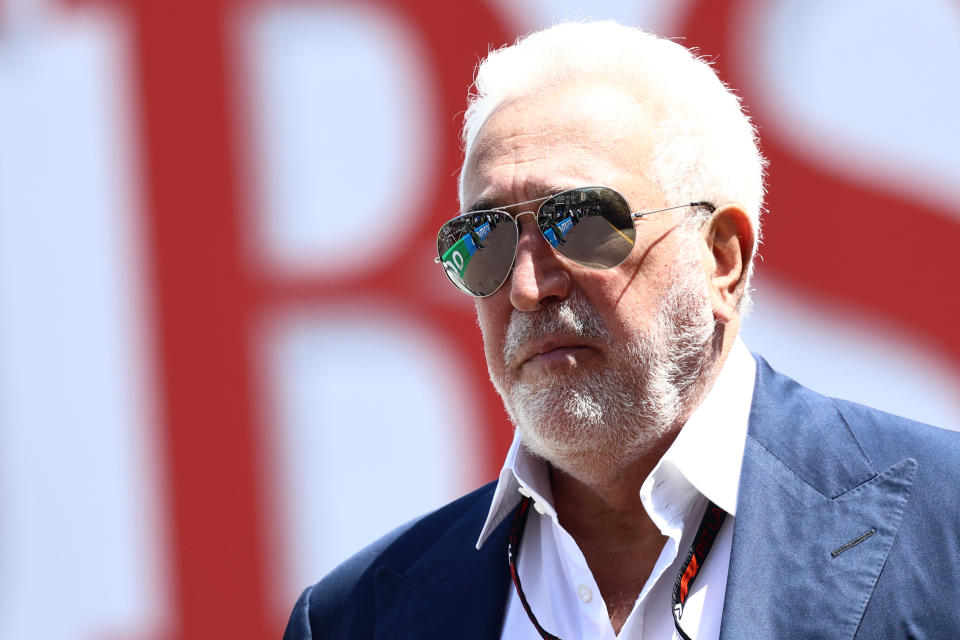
(591, 226)
(477, 250)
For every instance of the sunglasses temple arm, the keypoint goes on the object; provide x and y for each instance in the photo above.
(640, 214)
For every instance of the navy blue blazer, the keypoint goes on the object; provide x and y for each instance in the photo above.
(846, 527)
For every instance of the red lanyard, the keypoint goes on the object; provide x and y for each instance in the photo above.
(707, 532)
(713, 517)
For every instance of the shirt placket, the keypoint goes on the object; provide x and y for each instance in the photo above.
(592, 612)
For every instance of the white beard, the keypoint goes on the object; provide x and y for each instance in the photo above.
(602, 420)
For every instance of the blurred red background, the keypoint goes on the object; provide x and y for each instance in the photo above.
(226, 358)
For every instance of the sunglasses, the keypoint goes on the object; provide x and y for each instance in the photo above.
(592, 226)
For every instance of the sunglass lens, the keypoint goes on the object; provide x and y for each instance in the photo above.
(477, 250)
(591, 226)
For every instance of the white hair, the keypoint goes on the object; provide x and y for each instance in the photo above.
(704, 145)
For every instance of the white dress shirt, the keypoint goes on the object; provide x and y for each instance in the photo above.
(702, 463)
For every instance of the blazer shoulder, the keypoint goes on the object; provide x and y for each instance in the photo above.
(836, 444)
(341, 604)
(888, 438)
(876, 430)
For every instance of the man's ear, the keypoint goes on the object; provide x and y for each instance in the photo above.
(730, 242)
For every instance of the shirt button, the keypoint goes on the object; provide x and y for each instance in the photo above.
(540, 508)
(585, 593)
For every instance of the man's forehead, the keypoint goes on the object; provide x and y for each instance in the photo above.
(599, 108)
(553, 140)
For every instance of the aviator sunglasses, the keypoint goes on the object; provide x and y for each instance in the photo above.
(592, 226)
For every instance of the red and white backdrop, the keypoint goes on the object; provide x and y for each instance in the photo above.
(227, 360)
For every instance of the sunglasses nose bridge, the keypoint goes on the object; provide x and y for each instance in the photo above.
(531, 226)
(527, 212)
(532, 247)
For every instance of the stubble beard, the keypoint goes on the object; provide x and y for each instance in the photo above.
(594, 423)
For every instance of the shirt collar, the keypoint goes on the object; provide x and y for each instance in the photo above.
(707, 453)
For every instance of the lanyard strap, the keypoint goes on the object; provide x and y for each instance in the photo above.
(713, 517)
(513, 552)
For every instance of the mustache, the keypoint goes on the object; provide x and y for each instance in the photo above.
(573, 316)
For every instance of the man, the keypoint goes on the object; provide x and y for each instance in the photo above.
(663, 482)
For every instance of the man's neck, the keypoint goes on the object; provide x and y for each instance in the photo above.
(618, 539)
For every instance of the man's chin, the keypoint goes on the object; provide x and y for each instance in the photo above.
(595, 457)
(567, 427)
(557, 447)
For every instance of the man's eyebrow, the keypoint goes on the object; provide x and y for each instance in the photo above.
(482, 205)
(485, 204)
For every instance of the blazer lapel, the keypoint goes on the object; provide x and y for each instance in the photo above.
(453, 591)
(814, 520)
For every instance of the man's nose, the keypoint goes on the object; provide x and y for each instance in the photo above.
(539, 275)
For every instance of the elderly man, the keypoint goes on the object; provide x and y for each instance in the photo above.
(663, 482)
